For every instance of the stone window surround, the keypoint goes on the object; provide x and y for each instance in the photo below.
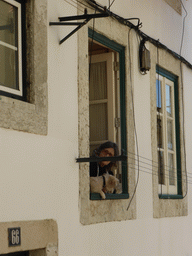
(31, 116)
(175, 4)
(165, 207)
(98, 211)
(39, 237)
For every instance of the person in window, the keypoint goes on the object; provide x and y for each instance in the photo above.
(106, 149)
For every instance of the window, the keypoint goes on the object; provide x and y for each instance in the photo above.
(107, 101)
(11, 47)
(102, 92)
(106, 43)
(17, 254)
(168, 142)
(23, 92)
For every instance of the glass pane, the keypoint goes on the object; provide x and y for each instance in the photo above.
(159, 132)
(8, 23)
(8, 67)
(161, 173)
(158, 95)
(172, 179)
(170, 134)
(168, 100)
(98, 122)
(98, 81)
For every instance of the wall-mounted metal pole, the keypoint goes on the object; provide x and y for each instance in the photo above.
(65, 23)
(73, 32)
(85, 16)
(100, 159)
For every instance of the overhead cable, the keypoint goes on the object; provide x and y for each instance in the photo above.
(142, 34)
(134, 121)
(182, 87)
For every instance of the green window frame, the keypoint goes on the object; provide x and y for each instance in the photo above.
(121, 50)
(174, 79)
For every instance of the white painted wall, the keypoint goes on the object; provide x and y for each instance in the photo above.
(40, 175)
(145, 235)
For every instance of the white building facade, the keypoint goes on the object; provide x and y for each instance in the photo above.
(123, 75)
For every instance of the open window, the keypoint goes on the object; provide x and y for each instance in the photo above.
(103, 107)
(107, 101)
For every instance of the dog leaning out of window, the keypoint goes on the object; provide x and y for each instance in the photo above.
(105, 184)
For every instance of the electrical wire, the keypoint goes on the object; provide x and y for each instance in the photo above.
(75, 2)
(182, 87)
(67, 1)
(78, 4)
(126, 22)
(136, 141)
(151, 169)
(184, 147)
(86, 5)
(151, 172)
(81, 5)
(110, 4)
(139, 34)
(155, 170)
(153, 164)
(91, 50)
(183, 30)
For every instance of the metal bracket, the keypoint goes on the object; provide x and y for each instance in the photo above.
(86, 17)
(97, 159)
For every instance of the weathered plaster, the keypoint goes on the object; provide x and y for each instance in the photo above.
(31, 116)
(165, 207)
(102, 210)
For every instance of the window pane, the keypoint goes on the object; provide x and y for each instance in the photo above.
(8, 45)
(8, 67)
(98, 122)
(159, 132)
(170, 134)
(161, 173)
(172, 178)
(168, 100)
(158, 95)
(8, 23)
(98, 81)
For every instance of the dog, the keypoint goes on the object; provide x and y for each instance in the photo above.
(104, 184)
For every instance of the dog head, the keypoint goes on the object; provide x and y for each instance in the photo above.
(112, 183)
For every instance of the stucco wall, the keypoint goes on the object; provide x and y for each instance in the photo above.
(39, 175)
